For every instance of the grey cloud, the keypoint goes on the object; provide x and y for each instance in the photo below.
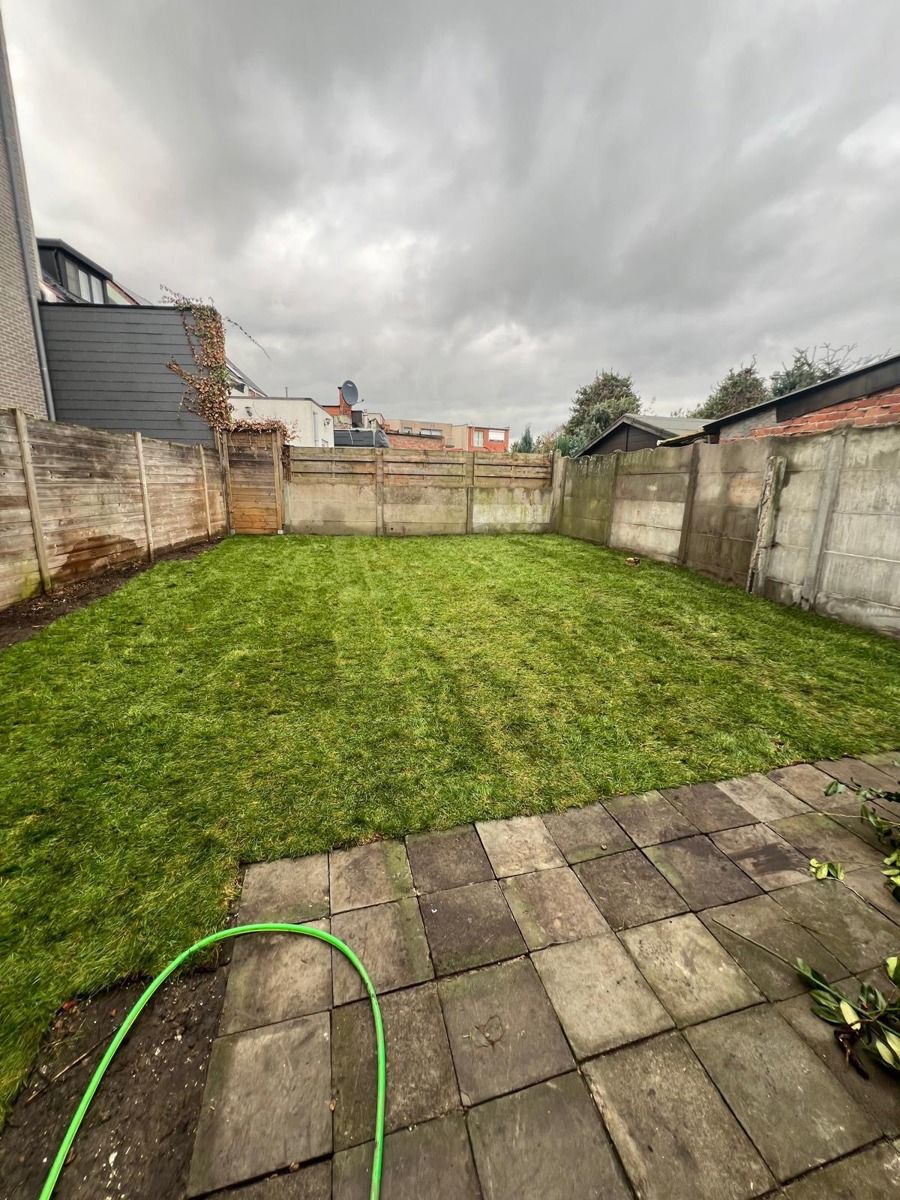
(471, 207)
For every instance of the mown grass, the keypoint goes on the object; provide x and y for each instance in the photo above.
(280, 696)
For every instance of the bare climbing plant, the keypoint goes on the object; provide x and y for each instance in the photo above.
(209, 387)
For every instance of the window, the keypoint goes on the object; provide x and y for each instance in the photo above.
(82, 283)
(431, 433)
(496, 435)
(478, 438)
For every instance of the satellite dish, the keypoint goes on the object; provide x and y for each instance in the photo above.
(349, 392)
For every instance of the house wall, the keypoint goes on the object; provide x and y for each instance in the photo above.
(396, 492)
(86, 511)
(20, 372)
(309, 423)
(811, 521)
(108, 369)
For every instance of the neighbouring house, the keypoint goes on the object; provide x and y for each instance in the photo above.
(406, 434)
(308, 423)
(639, 431)
(865, 396)
(371, 438)
(24, 380)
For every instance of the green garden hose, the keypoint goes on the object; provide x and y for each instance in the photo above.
(237, 931)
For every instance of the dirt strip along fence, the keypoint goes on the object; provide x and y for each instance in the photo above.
(75, 500)
(812, 521)
(402, 492)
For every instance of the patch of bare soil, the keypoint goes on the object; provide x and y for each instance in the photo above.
(138, 1135)
(22, 620)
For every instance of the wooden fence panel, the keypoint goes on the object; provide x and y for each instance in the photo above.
(255, 482)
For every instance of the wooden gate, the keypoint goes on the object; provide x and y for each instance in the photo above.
(254, 482)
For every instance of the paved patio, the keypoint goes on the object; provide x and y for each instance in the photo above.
(569, 1008)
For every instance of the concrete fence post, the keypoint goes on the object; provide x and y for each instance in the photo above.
(470, 490)
(34, 507)
(379, 493)
(558, 465)
(687, 516)
(831, 474)
(145, 495)
(766, 523)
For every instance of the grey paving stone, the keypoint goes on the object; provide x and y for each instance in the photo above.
(707, 807)
(432, 1161)
(761, 853)
(552, 906)
(629, 890)
(806, 782)
(767, 924)
(790, 1104)
(688, 969)
(674, 1133)
(503, 1031)
(421, 1082)
(599, 994)
(762, 798)
(266, 1103)
(275, 976)
(583, 833)
(469, 926)
(372, 874)
(518, 845)
(888, 762)
(869, 884)
(309, 1183)
(856, 934)
(545, 1143)
(389, 940)
(291, 889)
(873, 1174)
(701, 873)
(447, 859)
(878, 1094)
(648, 818)
(855, 773)
(818, 836)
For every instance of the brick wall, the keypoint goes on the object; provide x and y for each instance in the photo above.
(20, 375)
(881, 408)
(409, 441)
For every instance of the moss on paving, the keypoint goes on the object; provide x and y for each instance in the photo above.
(280, 696)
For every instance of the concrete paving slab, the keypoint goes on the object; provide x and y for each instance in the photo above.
(583, 833)
(518, 845)
(291, 889)
(672, 1129)
(888, 763)
(373, 874)
(421, 1082)
(806, 782)
(504, 1034)
(552, 906)
(855, 773)
(873, 1174)
(818, 836)
(266, 1103)
(869, 884)
(276, 976)
(432, 1161)
(767, 924)
(688, 969)
(766, 857)
(701, 873)
(855, 933)
(447, 859)
(707, 807)
(469, 926)
(648, 818)
(790, 1104)
(877, 1095)
(629, 890)
(309, 1183)
(390, 941)
(545, 1143)
(762, 798)
(599, 994)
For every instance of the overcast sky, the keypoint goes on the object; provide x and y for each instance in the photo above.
(468, 208)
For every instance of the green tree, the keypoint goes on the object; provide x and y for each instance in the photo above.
(525, 444)
(598, 404)
(741, 388)
(556, 440)
(814, 365)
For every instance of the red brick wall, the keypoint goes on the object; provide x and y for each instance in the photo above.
(499, 447)
(409, 441)
(881, 408)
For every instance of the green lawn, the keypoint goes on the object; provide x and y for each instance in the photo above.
(283, 695)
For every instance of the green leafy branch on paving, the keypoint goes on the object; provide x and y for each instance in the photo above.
(871, 1022)
(887, 832)
(825, 870)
